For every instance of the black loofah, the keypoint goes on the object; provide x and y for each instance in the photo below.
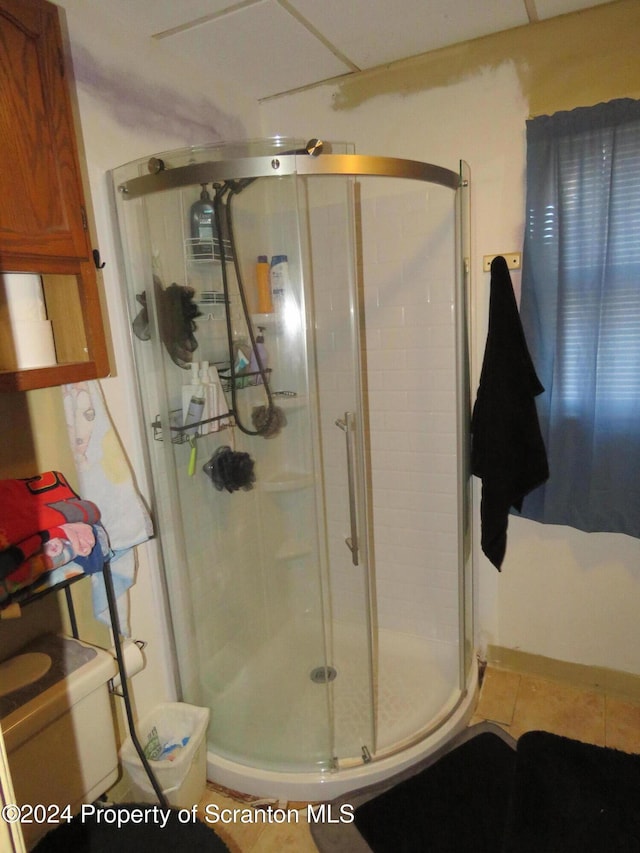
(230, 470)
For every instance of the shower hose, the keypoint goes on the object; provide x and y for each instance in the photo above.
(223, 196)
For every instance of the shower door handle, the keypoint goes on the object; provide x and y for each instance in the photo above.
(348, 427)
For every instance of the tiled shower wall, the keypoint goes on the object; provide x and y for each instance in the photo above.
(407, 280)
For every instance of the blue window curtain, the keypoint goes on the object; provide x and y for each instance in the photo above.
(580, 310)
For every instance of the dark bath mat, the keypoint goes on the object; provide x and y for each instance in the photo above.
(153, 834)
(573, 797)
(454, 801)
(457, 805)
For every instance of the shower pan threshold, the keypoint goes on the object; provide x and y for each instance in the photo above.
(326, 785)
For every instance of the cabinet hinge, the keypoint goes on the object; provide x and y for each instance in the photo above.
(83, 214)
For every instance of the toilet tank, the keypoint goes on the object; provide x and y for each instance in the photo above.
(59, 731)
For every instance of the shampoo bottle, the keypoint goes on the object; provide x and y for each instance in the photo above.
(265, 305)
(279, 280)
(202, 225)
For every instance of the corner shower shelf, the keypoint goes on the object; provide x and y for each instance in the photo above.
(270, 319)
(290, 400)
(287, 481)
(212, 305)
(205, 251)
(292, 549)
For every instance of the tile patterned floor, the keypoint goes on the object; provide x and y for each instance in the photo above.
(516, 701)
(520, 702)
(286, 831)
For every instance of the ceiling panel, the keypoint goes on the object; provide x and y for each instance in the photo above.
(373, 32)
(156, 16)
(262, 47)
(166, 14)
(273, 46)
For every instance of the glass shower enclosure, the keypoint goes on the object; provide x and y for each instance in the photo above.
(310, 476)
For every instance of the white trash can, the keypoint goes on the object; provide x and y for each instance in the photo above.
(182, 775)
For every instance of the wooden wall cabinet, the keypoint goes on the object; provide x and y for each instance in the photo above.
(43, 220)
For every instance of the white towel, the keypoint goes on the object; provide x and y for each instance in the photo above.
(105, 477)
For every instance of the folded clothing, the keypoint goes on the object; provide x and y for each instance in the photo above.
(58, 560)
(35, 510)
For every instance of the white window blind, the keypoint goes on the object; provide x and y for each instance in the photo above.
(596, 232)
(580, 311)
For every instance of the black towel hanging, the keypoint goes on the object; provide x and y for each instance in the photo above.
(507, 450)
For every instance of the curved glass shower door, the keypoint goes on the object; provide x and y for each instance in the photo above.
(247, 567)
(348, 593)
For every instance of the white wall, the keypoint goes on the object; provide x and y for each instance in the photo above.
(562, 593)
(135, 99)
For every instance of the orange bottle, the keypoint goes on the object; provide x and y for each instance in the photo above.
(265, 305)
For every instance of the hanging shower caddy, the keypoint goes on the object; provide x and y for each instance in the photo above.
(181, 433)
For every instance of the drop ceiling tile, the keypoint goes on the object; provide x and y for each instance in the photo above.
(269, 50)
(551, 8)
(156, 16)
(167, 14)
(265, 49)
(372, 32)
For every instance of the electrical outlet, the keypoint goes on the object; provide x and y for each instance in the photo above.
(513, 259)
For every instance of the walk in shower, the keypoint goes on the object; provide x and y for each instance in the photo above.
(319, 592)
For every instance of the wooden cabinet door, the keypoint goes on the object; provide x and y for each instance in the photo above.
(41, 199)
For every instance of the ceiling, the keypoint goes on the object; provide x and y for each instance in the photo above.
(275, 46)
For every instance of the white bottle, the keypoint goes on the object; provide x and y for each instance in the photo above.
(194, 412)
(209, 393)
(192, 388)
(279, 280)
(221, 407)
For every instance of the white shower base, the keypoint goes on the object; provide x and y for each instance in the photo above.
(417, 692)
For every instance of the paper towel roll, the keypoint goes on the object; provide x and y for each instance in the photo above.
(133, 659)
(27, 335)
(25, 299)
(33, 343)
(27, 345)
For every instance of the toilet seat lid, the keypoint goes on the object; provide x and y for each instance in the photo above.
(21, 670)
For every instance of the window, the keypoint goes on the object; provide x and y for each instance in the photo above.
(580, 310)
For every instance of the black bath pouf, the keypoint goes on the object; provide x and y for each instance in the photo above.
(230, 469)
(100, 833)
